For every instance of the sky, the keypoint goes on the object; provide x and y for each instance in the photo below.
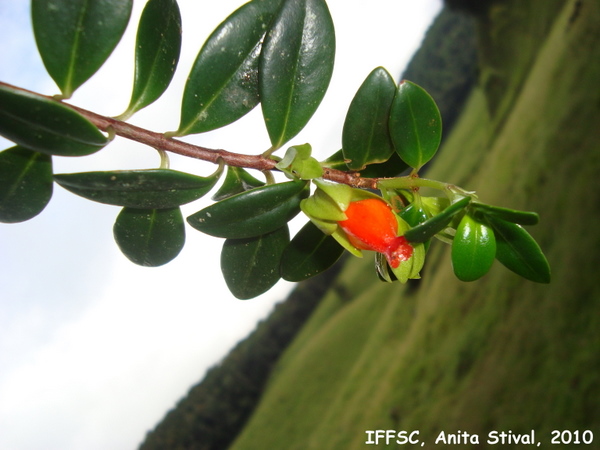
(94, 350)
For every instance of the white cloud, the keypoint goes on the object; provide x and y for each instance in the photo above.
(94, 349)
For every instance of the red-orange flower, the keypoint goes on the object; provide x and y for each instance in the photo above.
(371, 225)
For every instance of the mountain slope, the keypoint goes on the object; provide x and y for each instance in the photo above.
(501, 353)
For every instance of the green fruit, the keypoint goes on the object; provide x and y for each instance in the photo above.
(473, 249)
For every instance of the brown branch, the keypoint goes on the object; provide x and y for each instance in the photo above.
(160, 141)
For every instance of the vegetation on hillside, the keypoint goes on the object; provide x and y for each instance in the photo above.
(500, 354)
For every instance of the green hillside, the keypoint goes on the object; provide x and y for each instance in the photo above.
(501, 353)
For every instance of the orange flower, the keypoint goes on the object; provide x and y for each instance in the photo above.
(371, 225)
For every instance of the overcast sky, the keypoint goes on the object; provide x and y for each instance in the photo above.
(93, 349)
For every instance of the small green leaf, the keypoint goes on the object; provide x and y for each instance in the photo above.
(510, 215)
(157, 49)
(25, 184)
(519, 252)
(415, 125)
(309, 253)
(251, 266)
(366, 135)
(473, 249)
(223, 83)
(75, 37)
(236, 181)
(298, 163)
(296, 65)
(146, 189)
(45, 125)
(251, 213)
(150, 237)
(426, 230)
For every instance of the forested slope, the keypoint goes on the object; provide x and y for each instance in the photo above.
(501, 353)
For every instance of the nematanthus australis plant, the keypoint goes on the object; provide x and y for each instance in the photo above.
(277, 54)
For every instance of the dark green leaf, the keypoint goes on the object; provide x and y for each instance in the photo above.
(25, 184)
(510, 215)
(75, 37)
(223, 83)
(519, 252)
(366, 135)
(251, 266)
(473, 249)
(45, 125)
(146, 189)
(296, 64)
(236, 181)
(415, 125)
(157, 50)
(437, 223)
(252, 213)
(309, 253)
(150, 237)
(393, 167)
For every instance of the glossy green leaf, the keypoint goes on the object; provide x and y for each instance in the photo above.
(25, 184)
(437, 223)
(147, 189)
(519, 252)
(296, 65)
(473, 249)
(251, 266)
(251, 213)
(415, 125)
(237, 180)
(157, 49)
(510, 215)
(223, 83)
(46, 125)
(366, 135)
(298, 163)
(150, 237)
(75, 37)
(393, 167)
(309, 253)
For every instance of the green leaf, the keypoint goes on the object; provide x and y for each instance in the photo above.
(251, 213)
(157, 49)
(45, 125)
(25, 184)
(223, 83)
(296, 65)
(146, 189)
(309, 253)
(415, 125)
(519, 252)
(473, 249)
(150, 237)
(510, 215)
(426, 230)
(236, 181)
(75, 37)
(393, 167)
(366, 135)
(251, 266)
